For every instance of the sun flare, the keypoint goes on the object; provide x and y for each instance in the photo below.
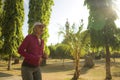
(117, 3)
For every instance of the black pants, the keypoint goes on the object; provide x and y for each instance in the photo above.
(29, 73)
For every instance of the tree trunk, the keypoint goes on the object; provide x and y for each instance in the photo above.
(43, 62)
(88, 62)
(77, 68)
(63, 62)
(9, 62)
(108, 71)
(16, 61)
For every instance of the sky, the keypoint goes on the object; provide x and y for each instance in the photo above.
(62, 10)
(73, 10)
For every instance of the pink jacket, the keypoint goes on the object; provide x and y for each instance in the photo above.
(31, 50)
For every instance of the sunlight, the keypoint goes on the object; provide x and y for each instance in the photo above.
(117, 5)
(118, 13)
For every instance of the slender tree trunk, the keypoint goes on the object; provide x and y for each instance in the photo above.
(77, 68)
(16, 61)
(108, 71)
(9, 62)
(43, 62)
(63, 62)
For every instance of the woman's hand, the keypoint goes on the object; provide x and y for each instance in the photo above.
(40, 60)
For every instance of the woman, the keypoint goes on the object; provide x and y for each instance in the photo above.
(32, 51)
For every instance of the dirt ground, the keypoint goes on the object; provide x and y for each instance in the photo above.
(56, 70)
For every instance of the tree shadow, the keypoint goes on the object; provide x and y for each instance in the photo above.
(116, 64)
(56, 68)
(84, 70)
(116, 74)
(17, 68)
(3, 64)
(5, 74)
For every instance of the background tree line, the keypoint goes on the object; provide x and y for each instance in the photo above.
(102, 36)
(103, 33)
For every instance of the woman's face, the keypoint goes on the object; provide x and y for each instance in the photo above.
(39, 29)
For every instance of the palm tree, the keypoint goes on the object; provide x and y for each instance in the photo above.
(76, 41)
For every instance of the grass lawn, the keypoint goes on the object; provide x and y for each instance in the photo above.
(55, 70)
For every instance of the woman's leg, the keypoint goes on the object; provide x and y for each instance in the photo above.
(37, 74)
(27, 73)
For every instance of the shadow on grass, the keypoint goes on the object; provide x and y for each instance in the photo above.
(116, 74)
(84, 70)
(5, 75)
(3, 64)
(17, 68)
(56, 68)
(116, 64)
(78, 79)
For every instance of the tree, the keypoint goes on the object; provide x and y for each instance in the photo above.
(52, 49)
(1, 42)
(102, 28)
(1, 10)
(62, 52)
(42, 12)
(12, 27)
(76, 42)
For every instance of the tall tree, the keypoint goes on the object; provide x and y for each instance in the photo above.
(102, 27)
(12, 27)
(40, 10)
(1, 10)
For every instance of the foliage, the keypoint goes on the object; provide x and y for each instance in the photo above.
(95, 8)
(12, 26)
(62, 51)
(47, 51)
(1, 10)
(102, 27)
(118, 40)
(78, 40)
(52, 49)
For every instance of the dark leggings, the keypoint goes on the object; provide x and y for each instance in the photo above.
(29, 73)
